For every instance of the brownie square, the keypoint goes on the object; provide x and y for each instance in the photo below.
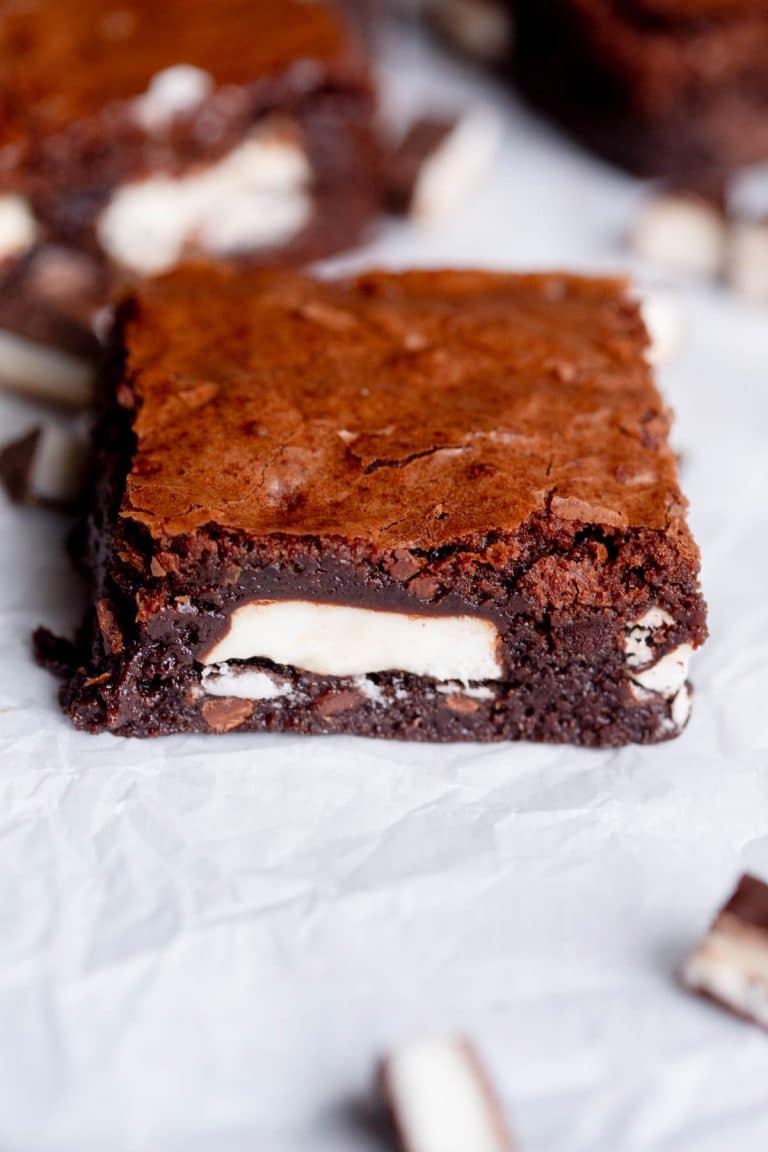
(134, 136)
(664, 87)
(435, 505)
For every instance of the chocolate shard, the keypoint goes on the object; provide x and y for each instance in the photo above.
(730, 966)
(47, 466)
(440, 162)
(439, 1096)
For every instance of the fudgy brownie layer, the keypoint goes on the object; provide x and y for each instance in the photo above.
(661, 89)
(586, 704)
(562, 596)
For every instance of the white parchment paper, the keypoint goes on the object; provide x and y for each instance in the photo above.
(205, 942)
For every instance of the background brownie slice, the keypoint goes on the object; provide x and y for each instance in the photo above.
(661, 86)
(140, 134)
(435, 505)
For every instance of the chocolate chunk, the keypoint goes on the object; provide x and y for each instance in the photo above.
(47, 466)
(226, 713)
(440, 162)
(730, 966)
(440, 1097)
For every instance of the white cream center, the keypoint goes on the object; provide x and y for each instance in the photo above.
(638, 643)
(244, 683)
(333, 640)
(257, 195)
(668, 675)
(439, 1100)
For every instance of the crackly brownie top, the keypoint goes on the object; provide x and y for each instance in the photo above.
(63, 61)
(410, 408)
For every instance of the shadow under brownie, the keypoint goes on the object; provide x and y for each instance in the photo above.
(434, 505)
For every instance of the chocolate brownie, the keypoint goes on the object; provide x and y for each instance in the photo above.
(661, 86)
(435, 505)
(141, 133)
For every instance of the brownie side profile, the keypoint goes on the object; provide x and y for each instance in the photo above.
(432, 505)
(662, 87)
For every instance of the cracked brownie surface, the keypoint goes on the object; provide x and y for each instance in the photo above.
(432, 505)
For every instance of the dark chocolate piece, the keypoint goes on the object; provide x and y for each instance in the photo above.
(439, 162)
(439, 1096)
(730, 966)
(434, 505)
(47, 466)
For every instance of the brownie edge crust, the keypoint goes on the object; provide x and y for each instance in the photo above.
(430, 506)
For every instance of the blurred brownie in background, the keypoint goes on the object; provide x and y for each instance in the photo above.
(136, 135)
(660, 86)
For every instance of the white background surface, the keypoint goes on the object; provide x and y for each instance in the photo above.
(206, 942)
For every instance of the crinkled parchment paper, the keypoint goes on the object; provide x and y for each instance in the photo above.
(205, 942)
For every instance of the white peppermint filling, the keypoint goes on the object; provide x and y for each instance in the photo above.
(18, 227)
(733, 968)
(334, 640)
(681, 708)
(369, 689)
(171, 93)
(667, 676)
(681, 233)
(457, 166)
(244, 683)
(476, 692)
(43, 372)
(439, 1101)
(255, 196)
(637, 643)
